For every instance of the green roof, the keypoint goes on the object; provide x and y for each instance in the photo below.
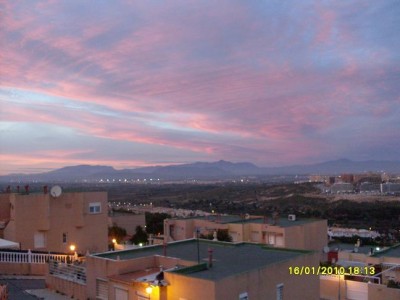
(390, 252)
(228, 259)
(226, 219)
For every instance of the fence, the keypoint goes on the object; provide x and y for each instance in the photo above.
(32, 258)
(75, 272)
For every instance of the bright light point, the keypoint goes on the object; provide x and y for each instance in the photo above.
(72, 247)
(114, 241)
(140, 244)
(377, 248)
(149, 289)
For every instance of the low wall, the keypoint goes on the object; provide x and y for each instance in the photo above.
(71, 289)
(377, 291)
(22, 269)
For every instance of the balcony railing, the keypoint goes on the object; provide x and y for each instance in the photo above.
(75, 272)
(32, 258)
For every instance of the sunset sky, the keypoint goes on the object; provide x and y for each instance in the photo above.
(136, 83)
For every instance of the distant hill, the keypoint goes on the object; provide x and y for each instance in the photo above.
(338, 167)
(204, 171)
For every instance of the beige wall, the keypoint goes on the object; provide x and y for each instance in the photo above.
(4, 207)
(72, 289)
(42, 214)
(127, 221)
(329, 287)
(22, 269)
(307, 236)
(101, 268)
(378, 291)
(262, 284)
(190, 288)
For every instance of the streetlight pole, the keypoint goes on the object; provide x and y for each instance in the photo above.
(198, 246)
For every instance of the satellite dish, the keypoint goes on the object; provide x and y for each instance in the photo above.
(326, 249)
(56, 191)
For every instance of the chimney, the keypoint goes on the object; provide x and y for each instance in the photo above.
(45, 189)
(210, 257)
(27, 189)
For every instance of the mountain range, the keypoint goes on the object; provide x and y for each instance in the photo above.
(204, 171)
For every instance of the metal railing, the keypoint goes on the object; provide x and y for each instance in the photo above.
(75, 271)
(32, 258)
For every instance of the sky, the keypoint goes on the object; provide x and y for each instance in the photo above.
(138, 83)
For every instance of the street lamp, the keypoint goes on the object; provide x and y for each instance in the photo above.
(72, 247)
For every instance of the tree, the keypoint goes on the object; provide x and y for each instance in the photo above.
(116, 232)
(155, 222)
(140, 236)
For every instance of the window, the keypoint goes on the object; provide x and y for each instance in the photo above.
(39, 239)
(279, 291)
(101, 289)
(121, 294)
(64, 238)
(95, 208)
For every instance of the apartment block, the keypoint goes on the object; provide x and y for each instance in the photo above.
(195, 269)
(370, 273)
(291, 232)
(40, 221)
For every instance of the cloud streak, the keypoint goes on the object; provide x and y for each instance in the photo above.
(240, 81)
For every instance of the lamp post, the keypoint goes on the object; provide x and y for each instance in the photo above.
(198, 245)
(72, 247)
(114, 242)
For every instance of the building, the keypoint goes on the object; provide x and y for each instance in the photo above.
(291, 232)
(40, 221)
(390, 188)
(371, 273)
(194, 269)
(127, 220)
(347, 178)
(339, 188)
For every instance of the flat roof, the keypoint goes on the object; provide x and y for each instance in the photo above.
(228, 259)
(390, 252)
(364, 249)
(226, 219)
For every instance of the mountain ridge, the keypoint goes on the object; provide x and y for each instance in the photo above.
(205, 170)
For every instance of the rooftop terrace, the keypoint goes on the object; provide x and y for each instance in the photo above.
(228, 259)
(390, 252)
(226, 219)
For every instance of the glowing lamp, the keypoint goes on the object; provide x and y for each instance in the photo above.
(149, 289)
